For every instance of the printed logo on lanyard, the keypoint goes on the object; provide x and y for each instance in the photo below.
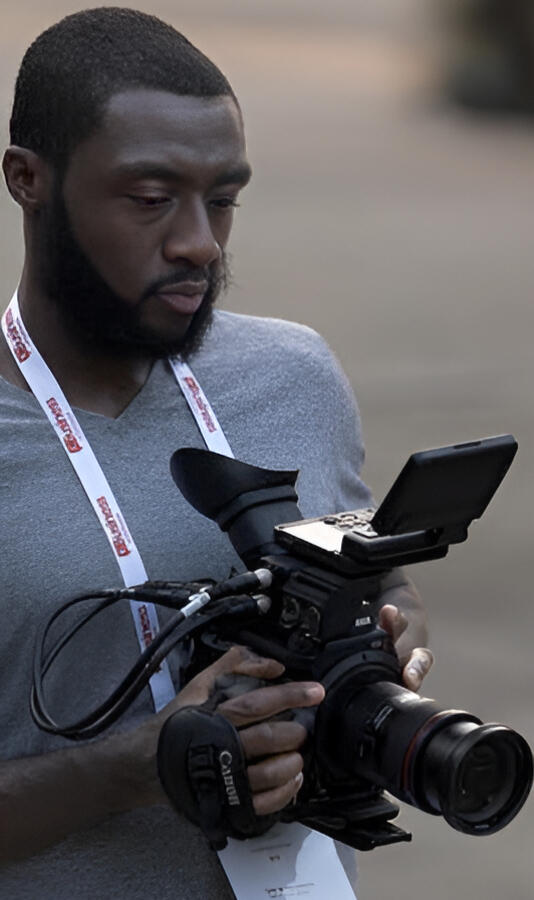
(194, 389)
(18, 343)
(197, 401)
(66, 427)
(117, 535)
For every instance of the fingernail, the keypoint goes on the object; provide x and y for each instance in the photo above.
(298, 780)
(315, 692)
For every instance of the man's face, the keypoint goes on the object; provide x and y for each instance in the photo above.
(133, 239)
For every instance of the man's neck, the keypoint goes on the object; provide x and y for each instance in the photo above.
(93, 380)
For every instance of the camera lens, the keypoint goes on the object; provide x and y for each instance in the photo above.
(477, 777)
(443, 761)
(478, 787)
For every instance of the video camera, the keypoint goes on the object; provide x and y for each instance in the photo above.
(312, 604)
(370, 733)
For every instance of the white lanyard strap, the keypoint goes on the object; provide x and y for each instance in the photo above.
(198, 403)
(56, 407)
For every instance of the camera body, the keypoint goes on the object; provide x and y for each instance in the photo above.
(322, 626)
(370, 734)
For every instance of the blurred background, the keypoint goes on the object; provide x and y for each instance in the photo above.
(392, 209)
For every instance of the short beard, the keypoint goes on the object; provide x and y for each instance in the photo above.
(95, 316)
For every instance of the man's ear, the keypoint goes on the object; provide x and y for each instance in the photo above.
(28, 178)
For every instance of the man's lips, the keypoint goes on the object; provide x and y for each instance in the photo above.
(183, 297)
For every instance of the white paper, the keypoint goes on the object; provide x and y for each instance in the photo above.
(288, 861)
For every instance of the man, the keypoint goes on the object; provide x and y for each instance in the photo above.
(127, 159)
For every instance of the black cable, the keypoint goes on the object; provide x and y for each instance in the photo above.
(69, 633)
(163, 593)
(121, 697)
(42, 663)
(138, 677)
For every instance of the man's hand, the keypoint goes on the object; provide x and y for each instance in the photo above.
(271, 747)
(418, 664)
(45, 798)
(402, 615)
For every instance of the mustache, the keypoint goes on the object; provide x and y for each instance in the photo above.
(215, 277)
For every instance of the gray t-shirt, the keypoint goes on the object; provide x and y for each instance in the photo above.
(282, 402)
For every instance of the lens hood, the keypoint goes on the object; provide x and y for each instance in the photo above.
(485, 779)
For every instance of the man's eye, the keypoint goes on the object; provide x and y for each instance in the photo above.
(150, 200)
(225, 203)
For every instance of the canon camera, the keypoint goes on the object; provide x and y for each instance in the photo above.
(312, 603)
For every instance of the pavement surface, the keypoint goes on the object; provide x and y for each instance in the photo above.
(403, 231)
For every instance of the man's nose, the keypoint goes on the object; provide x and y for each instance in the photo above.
(190, 236)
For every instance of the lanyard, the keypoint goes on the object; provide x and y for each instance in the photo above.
(57, 409)
(202, 411)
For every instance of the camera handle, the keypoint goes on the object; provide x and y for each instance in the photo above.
(202, 768)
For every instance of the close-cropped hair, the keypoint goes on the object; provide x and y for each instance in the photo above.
(70, 72)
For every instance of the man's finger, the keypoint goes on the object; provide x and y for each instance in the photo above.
(243, 661)
(274, 772)
(275, 800)
(417, 667)
(392, 620)
(259, 667)
(269, 738)
(270, 701)
(238, 660)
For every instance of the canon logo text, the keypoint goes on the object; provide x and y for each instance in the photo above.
(225, 762)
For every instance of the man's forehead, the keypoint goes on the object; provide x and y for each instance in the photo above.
(154, 103)
(141, 125)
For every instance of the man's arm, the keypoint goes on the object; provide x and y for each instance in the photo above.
(45, 798)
